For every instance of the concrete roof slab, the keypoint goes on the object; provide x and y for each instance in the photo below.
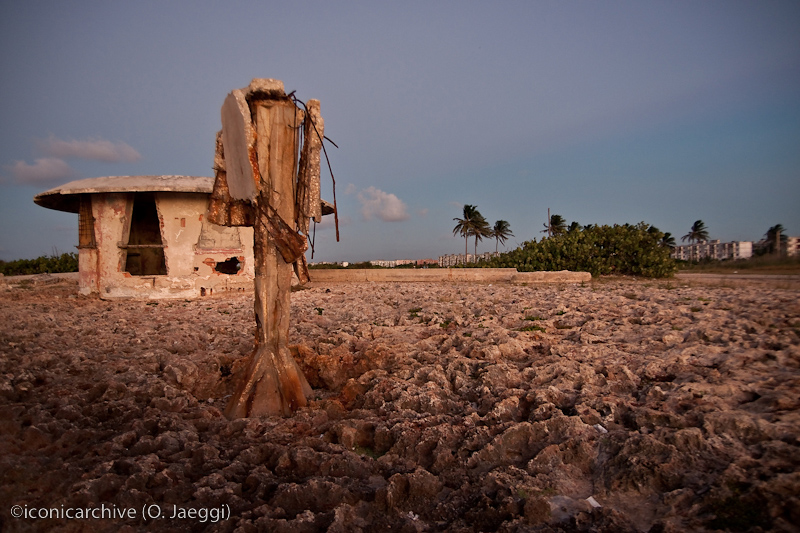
(66, 197)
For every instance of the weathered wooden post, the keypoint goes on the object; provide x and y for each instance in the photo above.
(260, 182)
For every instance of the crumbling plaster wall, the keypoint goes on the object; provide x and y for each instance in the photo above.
(190, 270)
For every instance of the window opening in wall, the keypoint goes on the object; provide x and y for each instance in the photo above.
(86, 224)
(145, 249)
(230, 266)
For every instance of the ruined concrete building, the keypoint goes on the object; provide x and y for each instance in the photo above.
(149, 237)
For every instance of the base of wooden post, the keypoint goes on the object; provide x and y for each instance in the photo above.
(272, 385)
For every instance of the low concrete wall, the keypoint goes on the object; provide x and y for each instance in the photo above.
(485, 275)
(778, 281)
(561, 276)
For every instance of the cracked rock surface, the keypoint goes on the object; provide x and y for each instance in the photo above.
(621, 405)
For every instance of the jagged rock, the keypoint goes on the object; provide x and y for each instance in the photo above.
(669, 423)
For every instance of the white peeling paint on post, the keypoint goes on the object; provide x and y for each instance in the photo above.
(239, 144)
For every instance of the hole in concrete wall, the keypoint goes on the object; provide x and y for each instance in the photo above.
(229, 266)
(145, 248)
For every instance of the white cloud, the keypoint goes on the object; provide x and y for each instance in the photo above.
(53, 169)
(383, 205)
(43, 171)
(93, 149)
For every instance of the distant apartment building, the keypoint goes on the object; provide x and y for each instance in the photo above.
(382, 263)
(344, 264)
(713, 250)
(793, 246)
(402, 262)
(451, 260)
(393, 263)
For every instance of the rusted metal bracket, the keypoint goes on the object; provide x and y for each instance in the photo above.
(290, 243)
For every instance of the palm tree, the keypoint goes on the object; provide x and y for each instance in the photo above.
(697, 233)
(501, 232)
(668, 240)
(472, 224)
(556, 226)
(574, 227)
(464, 225)
(776, 236)
(481, 229)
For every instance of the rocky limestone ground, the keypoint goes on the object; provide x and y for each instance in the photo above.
(618, 405)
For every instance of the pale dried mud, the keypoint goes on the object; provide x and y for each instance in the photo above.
(619, 405)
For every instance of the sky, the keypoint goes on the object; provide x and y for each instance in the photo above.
(607, 112)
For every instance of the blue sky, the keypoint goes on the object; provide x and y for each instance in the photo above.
(604, 112)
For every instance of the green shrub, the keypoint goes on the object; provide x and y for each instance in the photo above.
(54, 263)
(600, 250)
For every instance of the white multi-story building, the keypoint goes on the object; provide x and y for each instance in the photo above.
(460, 259)
(393, 263)
(793, 246)
(382, 263)
(713, 250)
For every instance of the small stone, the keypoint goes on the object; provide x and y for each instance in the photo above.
(593, 502)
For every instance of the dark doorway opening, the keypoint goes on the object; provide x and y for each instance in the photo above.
(145, 248)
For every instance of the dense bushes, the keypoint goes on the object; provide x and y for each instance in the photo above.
(627, 250)
(55, 263)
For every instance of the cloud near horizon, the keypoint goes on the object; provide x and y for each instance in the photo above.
(383, 205)
(53, 169)
(93, 149)
(43, 171)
